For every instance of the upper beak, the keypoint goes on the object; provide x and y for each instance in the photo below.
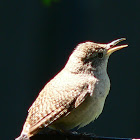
(112, 48)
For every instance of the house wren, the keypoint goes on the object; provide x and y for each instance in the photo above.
(76, 95)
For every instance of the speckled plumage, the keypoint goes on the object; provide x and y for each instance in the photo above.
(76, 95)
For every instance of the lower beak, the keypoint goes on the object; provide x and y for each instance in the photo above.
(112, 48)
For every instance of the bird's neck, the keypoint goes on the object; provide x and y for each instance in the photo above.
(78, 67)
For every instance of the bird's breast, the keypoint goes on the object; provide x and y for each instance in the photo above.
(89, 110)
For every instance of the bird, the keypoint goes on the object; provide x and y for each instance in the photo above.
(76, 95)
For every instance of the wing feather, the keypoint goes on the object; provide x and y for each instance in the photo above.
(54, 102)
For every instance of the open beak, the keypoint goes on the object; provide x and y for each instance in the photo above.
(112, 48)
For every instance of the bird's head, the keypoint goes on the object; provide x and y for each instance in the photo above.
(90, 56)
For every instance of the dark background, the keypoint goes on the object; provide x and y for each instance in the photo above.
(36, 41)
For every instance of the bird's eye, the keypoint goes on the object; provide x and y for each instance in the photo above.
(100, 55)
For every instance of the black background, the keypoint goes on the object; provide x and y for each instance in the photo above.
(36, 41)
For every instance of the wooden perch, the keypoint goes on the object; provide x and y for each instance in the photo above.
(73, 136)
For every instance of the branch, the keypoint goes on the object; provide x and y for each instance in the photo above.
(73, 136)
